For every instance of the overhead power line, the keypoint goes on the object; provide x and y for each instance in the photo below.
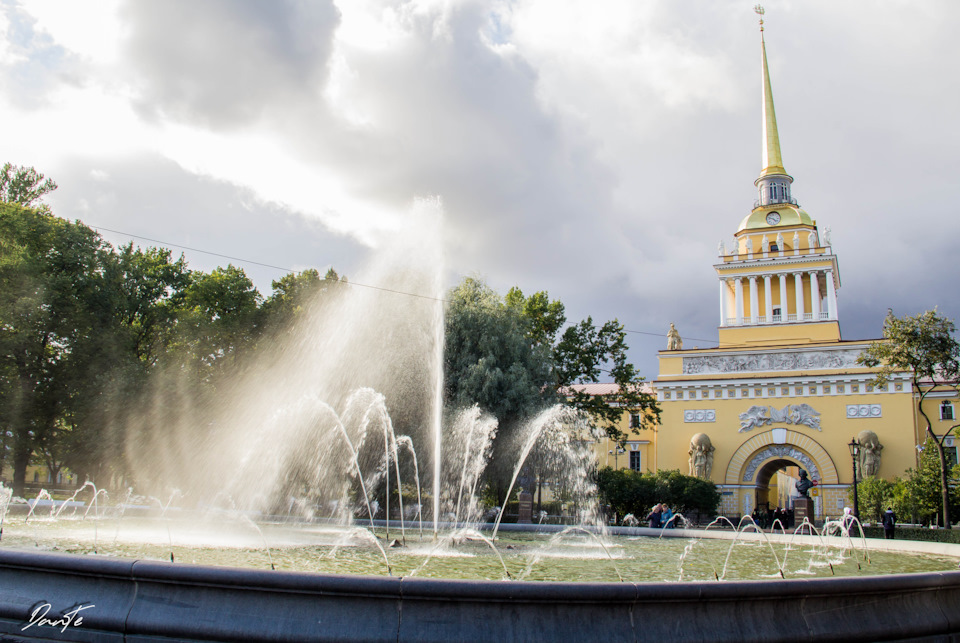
(289, 270)
(257, 263)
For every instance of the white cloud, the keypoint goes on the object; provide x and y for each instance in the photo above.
(596, 150)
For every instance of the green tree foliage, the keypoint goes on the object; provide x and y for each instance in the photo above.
(219, 321)
(24, 186)
(51, 291)
(631, 492)
(504, 354)
(586, 354)
(85, 329)
(924, 347)
(489, 358)
(874, 495)
(916, 495)
(582, 355)
(294, 291)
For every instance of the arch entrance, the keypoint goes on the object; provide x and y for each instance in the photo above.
(775, 482)
(750, 480)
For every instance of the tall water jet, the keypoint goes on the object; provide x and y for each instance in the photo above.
(560, 435)
(264, 439)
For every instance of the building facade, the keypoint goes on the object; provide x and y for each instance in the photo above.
(782, 391)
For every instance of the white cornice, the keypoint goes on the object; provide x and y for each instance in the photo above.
(782, 380)
(776, 264)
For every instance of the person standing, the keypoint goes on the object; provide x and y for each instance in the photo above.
(665, 515)
(889, 523)
(653, 518)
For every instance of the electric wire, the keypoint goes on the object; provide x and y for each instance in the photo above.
(259, 263)
(351, 283)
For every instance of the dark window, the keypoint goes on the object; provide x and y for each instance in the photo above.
(946, 411)
(634, 420)
(635, 460)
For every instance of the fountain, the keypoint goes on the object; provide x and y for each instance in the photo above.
(344, 413)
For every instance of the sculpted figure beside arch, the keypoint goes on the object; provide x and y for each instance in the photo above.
(701, 456)
(870, 449)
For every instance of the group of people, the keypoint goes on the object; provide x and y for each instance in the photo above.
(661, 516)
(766, 517)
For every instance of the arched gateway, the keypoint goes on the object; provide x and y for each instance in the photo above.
(752, 465)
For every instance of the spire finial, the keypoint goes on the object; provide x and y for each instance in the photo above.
(772, 163)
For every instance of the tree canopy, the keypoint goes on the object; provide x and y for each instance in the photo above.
(924, 347)
(86, 329)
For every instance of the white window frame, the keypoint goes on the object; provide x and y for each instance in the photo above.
(947, 404)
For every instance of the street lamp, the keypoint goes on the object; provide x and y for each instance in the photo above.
(615, 453)
(854, 452)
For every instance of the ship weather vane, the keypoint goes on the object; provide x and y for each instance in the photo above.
(759, 10)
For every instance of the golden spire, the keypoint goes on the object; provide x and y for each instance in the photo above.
(772, 162)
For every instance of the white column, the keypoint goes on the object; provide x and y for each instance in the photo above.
(832, 297)
(754, 301)
(723, 302)
(798, 284)
(768, 298)
(783, 296)
(738, 296)
(815, 294)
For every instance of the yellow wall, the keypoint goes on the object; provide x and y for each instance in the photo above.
(837, 393)
(802, 333)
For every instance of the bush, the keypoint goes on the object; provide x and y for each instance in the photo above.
(918, 533)
(630, 492)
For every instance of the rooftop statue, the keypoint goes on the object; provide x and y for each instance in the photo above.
(674, 343)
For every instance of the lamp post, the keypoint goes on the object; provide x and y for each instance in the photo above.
(854, 453)
(615, 453)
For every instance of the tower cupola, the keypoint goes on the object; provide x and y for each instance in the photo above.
(779, 282)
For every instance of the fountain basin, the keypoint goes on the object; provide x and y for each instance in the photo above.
(138, 600)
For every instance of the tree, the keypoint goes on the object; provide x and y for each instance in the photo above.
(24, 186)
(917, 492)
(924, 347)
(293, 292)
(51, 281)
(219, 321)
(583, 353)
(489, 358)
(875, 495)
(631, 492)
(505, 356)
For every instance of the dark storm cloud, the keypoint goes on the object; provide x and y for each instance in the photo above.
(223, 63)
(598, 153)
(452, 116)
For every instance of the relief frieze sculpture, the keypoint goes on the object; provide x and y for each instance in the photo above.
(761, 362)
(864, 411)
(790, 414)
(700, 415)
(785, 451)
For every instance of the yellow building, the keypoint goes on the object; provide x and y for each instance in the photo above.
(783, 391)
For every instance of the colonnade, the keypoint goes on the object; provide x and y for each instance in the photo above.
(819, 308)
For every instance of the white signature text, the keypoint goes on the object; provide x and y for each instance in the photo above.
(39, 617)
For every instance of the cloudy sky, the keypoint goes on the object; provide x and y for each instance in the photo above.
(596, 150)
